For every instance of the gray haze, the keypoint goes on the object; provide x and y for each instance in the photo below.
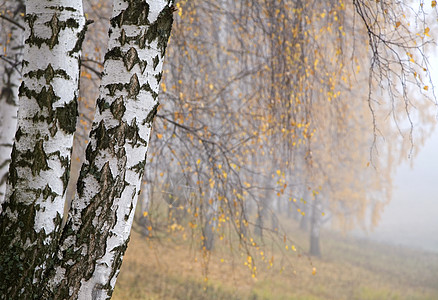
(411, 218)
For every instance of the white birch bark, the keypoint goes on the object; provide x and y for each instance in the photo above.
(40, 163)
(98, 227)
(10, 68)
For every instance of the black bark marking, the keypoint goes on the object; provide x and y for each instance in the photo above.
(139, 168)
(130, 58)
(133, 87)
(103, 141)
(81, 37)
(114, 54)
(102, 104)
(56, 26)
(152, 113)
(146, 87)
(123, 38)
(49, 73)
(160, 29)
(45, 98)
(18, 134)
(132, 134)
(67, 116)
(142, 65)
(47, 193)
(39, 158)
(118, 108)
(156, 60)
(136, 13)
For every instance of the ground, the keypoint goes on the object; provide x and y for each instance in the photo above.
(172, 268)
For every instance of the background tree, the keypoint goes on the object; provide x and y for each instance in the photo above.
(12, 40)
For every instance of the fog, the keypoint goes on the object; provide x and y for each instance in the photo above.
(411, 218)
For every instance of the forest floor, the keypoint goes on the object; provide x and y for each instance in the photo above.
(349, 268)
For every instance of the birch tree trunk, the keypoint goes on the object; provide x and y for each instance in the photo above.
(97, 230)
(13, 29)
(315, 249)
(40, 160)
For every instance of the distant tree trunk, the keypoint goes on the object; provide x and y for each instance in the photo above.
(10, 68)
(211, 221)
(97, 231)
(315, 249)
(274, 221)
(262, 208)
(146, 196)
(304, 219)
(40, 160)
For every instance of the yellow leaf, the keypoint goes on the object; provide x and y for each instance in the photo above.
(314, 271)
(198, 161)
(397, 24)
(433, 3)
(159, 136)
(178, 6)
(163, 87)
(278, 172)
(426, 87)
(426, 31)
(145, 214)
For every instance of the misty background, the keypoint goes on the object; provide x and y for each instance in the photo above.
(411, 218)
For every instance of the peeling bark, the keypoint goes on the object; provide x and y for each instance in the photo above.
(97, 231)
(40, 160)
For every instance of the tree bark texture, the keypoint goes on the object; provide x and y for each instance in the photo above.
(97, 231)
(315, 249)
(40, 159)
(13, 38)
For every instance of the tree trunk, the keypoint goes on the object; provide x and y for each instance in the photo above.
(40, 164)
(145, 199)
(211, 221)
(258, 228)
(97, 231)
(304, 219)
(13, 29)
(315, 250)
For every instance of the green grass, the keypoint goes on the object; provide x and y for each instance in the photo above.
(348, 269)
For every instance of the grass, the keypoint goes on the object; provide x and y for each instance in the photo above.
(349, 269)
